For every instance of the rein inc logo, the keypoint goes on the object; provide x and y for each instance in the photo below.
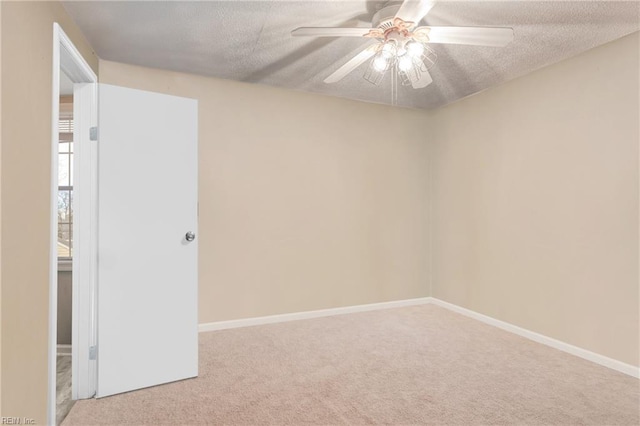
(17, 421)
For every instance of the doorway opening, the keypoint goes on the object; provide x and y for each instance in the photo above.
(64, 401)
(71, 272)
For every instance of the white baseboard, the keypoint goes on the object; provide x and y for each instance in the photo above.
(271, 319)
(536, 337)
(63, 350)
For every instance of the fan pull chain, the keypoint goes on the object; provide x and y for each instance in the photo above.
(394, 85)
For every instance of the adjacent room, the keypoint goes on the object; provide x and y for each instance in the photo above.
(320, 212)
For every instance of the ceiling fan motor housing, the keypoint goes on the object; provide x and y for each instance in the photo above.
(383, 19)
(399, 40)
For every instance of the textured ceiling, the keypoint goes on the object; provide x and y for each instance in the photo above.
(250, 41)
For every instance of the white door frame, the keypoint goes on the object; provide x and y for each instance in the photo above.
(68, 59)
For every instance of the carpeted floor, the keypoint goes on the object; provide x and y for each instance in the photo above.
(414, 365)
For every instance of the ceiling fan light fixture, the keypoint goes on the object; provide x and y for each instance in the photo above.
(384, 58)
(381, 64)
(409, 70)
(423, 56)
(414, 49)
(409, 77)
(374, 75)
(428, 57)
(405, 63)
(410, 59)
(388, 48)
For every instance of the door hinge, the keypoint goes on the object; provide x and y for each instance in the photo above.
(93, 133)
(92, 352)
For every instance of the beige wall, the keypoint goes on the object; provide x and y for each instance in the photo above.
(536, 201)
(27, 29)
(306, 202)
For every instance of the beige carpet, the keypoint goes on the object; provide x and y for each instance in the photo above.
(415, 365)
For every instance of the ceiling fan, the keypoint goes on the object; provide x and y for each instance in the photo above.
(402, 46)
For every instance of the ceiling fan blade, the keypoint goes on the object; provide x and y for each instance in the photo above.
(414, 10)
(329, 32)
(476, 36)
(424, 80)
(352, 64)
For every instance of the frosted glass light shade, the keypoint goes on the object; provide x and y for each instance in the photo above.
(414, 49)
(405, 63)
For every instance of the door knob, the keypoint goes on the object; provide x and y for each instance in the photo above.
(190, 236)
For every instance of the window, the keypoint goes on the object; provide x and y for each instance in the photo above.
(65, 179)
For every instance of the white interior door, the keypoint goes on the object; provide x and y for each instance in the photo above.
(147, 268)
